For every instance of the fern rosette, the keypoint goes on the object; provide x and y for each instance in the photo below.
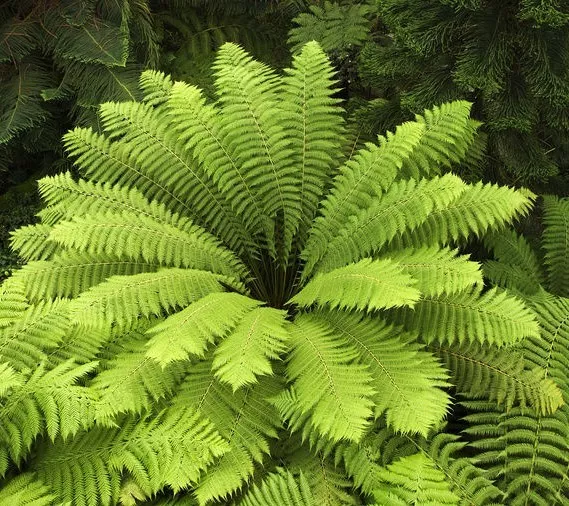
(232, 304)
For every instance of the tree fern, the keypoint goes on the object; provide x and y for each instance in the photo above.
(211, 306)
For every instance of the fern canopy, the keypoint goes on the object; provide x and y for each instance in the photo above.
(221, 290)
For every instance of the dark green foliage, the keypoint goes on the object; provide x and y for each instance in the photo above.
(511, 58)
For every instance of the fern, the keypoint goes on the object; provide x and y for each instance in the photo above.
(26, 489)
(208, 312)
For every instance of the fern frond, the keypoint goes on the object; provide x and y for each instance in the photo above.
(49, 401)
(329, 384)
(491, 318)
(365, 286)
(556, 244)
(190, 331)
(439, 271)
(360, 181)
(31, 242)
(403, 207)
(39, 329)
(406, 380)
(414, 480)
(26, 490)
(245, 352)
(282, 488)
(13, 301)
(122, 299)
(198, 126)
(501, 376)
(251, 125)
(70, 273)
(448, 133)
(156, 86)
(244, 419)
(129, 235)
(479, 209)
(313, 124)
(169, 449)
(131, 382)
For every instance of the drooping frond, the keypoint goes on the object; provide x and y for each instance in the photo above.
(359, 183)
(365, 285)
(122, 299)
(448, 134)
(406, 380)
(190, 331)
(313, 124)
(31, 242)
(252, 126)
(328, 381)
(246, 351)
(414, 480)
(49, 401)
(499, 375)
(556, 244)
(403, 207)
(168, 449)
(244, 419)
(131, 382)
(438, 271)
(129, 235)
(491, 318)
(480, 208)
(25, 490)
(280, 488)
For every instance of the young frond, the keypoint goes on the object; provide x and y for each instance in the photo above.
(280, 488)
(556, 244)
(328, 381)
(191, 330)
(499, 375)
(366, 285)
(491, 318)
(170, 449)
(122, 299)
(246, 351)
(406, 380)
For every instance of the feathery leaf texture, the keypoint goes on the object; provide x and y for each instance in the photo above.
(556, 244)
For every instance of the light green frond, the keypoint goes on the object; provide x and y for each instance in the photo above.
(171, 449)
(9, 379)
(190, 331)
(479, 209)
(402, 208)
(365, 286)
(25, 490)
(251, 125)
(414, 480)
(122, 299)
(358, 185)
(499, 375)
(439, 271)
(246, 351)
(132, 236)
(407, 381)
(282, 489)
(328, 381)
(494, 317)
(244, 418)
(130, 381)
(49, 401)
(156, 86)
(39, 329)
(556, 244)
(70, 273)
(13, 301)
(198, 126)
(448, 134)
(313, 124)
(31, 242)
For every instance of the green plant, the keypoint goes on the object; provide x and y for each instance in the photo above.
(525, 451)
(508, 57)
(226, 308)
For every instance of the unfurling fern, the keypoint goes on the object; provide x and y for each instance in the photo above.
(226, 309)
